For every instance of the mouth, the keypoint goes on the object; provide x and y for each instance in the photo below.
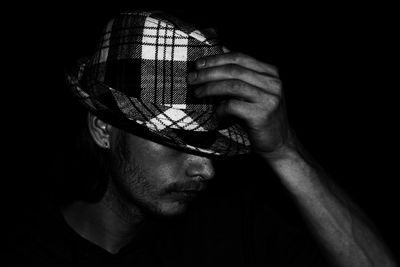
(184, 195)
(185, 192)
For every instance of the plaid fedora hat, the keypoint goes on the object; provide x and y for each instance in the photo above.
(136, 81)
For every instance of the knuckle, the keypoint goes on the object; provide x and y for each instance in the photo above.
(276, 81)
(275, 85)
(210, 60)
(271, 69)
(235, 85)
(204, 75)
(275, 69)
(234, 71)
(236, 57)
(261, 95)
(230, 106)
(273, 101)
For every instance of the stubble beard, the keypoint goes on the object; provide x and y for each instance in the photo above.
(129, 192)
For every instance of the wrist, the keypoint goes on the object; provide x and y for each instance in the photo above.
(289, 149)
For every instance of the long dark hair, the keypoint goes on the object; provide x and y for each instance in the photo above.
(80, 165)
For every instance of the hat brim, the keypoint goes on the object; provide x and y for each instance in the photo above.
(230, 141)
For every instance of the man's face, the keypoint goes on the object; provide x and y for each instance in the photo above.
(157, 178)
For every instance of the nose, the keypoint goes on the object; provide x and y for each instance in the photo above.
(201, 167)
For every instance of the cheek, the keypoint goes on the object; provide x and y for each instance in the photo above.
(148, 187)
(161, 176)
(149, 182)
(162, 167)
(142, 185)
(149, 169)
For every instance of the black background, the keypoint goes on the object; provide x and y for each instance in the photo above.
(337, 64)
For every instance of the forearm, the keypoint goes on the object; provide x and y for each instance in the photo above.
(335, 221)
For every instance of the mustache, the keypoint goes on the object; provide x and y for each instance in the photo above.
(186, 186)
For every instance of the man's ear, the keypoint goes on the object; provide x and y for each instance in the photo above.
(100, 131)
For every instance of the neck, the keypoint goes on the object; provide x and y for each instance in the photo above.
(108, 223)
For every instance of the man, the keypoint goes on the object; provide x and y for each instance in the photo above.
(165, 102)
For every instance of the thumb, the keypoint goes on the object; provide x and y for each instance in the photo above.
(225, 49)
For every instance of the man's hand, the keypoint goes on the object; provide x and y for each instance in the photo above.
(251, 92)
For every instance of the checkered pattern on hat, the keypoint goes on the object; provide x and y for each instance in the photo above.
(138, 76)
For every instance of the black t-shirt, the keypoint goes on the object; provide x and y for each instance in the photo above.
(227, 231)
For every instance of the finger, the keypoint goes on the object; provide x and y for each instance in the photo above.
(235, 72)
(234, 108)
(233, 89)
(249, 113)
(225, 49)
(238, 59)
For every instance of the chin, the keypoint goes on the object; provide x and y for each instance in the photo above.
(170, 209)
(166, 208)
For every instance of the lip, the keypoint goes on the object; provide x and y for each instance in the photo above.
(195, 189)
(185, 195)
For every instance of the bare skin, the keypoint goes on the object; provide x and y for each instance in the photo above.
(146, 177)
(146, 173)
(254, 96)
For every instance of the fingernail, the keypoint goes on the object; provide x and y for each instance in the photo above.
(201, 63)
(192, 76)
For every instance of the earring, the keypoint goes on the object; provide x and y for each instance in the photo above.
(106, 144)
